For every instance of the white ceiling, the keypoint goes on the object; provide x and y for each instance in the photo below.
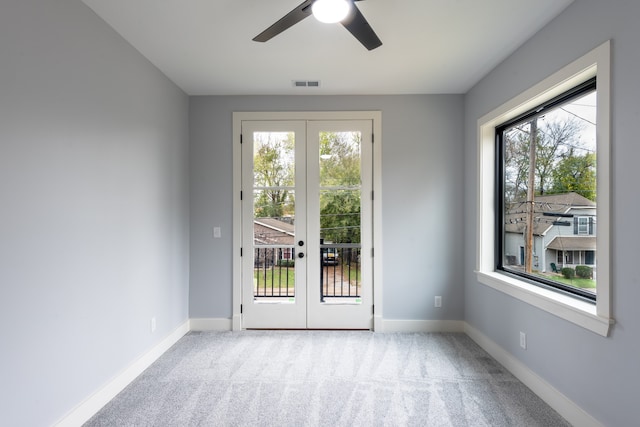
(429, 46)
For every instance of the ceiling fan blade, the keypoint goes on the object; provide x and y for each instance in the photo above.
(360, 28)
(287, 21)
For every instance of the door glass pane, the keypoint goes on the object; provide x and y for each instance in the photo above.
(274, 215)
(340, 215)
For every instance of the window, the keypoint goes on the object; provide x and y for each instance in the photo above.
(568, 257)
(546, 183)
(499, 263)
(590, 257)
(583, 225)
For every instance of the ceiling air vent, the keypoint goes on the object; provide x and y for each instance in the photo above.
(306, 83)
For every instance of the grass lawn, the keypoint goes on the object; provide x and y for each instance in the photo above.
(576, 282)
(342, 272)
(284, 277)
(279, 277)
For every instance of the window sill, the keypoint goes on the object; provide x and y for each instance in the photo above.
(579, 312)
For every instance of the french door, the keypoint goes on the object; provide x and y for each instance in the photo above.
(307, 224)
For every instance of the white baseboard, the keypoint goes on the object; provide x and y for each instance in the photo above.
(90, 406)
(210, 324)
(558, 401)
(389, 325)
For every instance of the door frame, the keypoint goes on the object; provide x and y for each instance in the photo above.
(238, 118)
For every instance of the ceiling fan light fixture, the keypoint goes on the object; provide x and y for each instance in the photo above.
(330, 11)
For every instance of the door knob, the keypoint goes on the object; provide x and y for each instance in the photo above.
(300, 255)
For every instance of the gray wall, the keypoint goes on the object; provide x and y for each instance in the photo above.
(94, 215)
(600, 374)
(422, 216)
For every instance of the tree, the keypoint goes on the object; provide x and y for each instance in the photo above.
(577, 174)
(556, 137)
(516, 162)
(340, 159)
(340, 179)
(273, 168)
(340, 216)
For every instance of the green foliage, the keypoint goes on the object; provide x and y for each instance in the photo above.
(340, 216)
(557, 168)
(584, 271)
(286, 263)
(555, 137)
(340, 159)
(576, 174)
(340, 181)
(273, 166)
(568, 273)
(340, 169)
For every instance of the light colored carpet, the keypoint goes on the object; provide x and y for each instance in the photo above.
(326, 378)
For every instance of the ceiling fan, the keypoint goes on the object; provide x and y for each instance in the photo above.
(350, 17)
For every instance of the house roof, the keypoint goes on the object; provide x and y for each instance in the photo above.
(569, 200)
(272, 231)
(276, 225)
(515, 218)
(573, 243)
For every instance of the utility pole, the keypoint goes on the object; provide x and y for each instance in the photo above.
(528, 248)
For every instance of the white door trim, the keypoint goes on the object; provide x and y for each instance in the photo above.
(238, 118)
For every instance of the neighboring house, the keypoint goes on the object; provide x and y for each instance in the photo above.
(272, 231)
(567, 239)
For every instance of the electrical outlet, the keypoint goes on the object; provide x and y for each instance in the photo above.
(217, 233)
(153, 324)
(523, 340)
(437, 301)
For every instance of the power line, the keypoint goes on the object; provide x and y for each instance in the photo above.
(576, 115)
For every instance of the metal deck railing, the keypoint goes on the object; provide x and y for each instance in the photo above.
(340, 271)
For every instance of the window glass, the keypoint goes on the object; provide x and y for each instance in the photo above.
(547, 193)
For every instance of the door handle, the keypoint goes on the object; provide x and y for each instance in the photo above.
(300, 255)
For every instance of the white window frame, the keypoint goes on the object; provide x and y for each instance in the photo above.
(583, 229)
(594, 317)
